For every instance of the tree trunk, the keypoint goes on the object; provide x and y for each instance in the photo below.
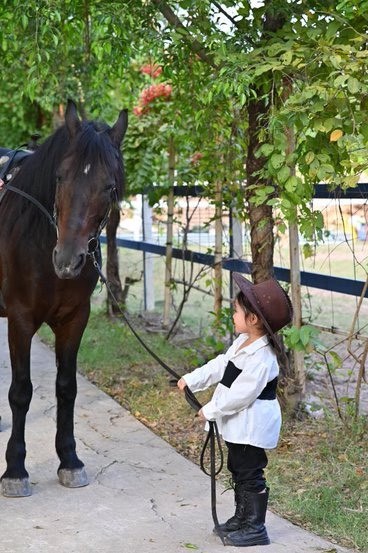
(148, 275)
(260, 217)
(169, 237)
(297, 368)
(218, 251)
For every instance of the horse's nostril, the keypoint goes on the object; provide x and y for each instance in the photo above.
(67, 265)
(80, 262)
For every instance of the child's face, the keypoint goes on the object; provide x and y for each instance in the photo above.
(240, 319)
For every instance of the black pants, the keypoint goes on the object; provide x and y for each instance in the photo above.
(246, 464)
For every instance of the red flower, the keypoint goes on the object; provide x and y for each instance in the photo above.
(196, 157)
(153, 70)
(155, 91)
(138, 111)
(149, 94)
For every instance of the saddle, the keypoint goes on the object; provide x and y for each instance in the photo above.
(10, 159)
(10, 162)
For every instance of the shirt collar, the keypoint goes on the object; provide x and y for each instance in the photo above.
(254, 346)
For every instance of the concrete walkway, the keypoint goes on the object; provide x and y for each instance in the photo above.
(143, 497)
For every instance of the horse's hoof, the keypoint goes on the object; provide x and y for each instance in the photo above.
(16, 487)
(73, 478)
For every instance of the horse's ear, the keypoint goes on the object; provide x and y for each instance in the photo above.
(72, 120)
(117, 132)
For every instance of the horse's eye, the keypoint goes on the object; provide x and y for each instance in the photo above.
(110, 187)
(58, 179)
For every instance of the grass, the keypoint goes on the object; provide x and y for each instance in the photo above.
(319, 479)
(318, 474)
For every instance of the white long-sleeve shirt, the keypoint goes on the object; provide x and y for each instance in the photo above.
(241, 376)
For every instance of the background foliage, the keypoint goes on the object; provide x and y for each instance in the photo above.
(311, 70)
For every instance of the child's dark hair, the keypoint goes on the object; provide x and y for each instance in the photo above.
(244, 303)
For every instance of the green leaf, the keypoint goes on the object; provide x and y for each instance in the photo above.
(336, 359)
(287, 58)
(294, 336)
(305, 333)
(262, 69)
(283, 174)
(265, 150)
(353, 85)
(24, 21)
(308, 251)
(291, 183)
(309, 157)
(340, 80)
(277, 160)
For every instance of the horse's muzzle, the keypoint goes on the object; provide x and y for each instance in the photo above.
(68, 266)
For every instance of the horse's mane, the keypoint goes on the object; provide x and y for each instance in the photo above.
(37, 175)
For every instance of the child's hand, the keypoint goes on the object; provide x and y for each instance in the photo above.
(181, 384)
(201, 415)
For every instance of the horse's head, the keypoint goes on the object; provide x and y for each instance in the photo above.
(89, 179)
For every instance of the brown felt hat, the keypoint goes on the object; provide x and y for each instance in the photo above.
(268, 300)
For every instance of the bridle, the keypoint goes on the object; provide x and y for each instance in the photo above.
(35, 202)
(93, 241)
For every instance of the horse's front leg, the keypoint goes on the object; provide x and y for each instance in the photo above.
(15, 481)
(71, 470)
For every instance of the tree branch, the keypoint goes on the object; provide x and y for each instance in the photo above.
(193, 43)
(227, 15)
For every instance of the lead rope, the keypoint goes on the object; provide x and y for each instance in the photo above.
(213, 437)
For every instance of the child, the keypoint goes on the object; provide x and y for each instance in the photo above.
(244, 403)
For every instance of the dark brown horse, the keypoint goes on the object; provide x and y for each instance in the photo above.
(47, 272)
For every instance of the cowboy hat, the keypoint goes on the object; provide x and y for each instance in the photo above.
(268, 300)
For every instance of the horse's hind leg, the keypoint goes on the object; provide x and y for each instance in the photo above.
(71, 470)
(15, 481)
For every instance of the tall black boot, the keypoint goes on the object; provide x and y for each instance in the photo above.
(237, 521)
(253, 531)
